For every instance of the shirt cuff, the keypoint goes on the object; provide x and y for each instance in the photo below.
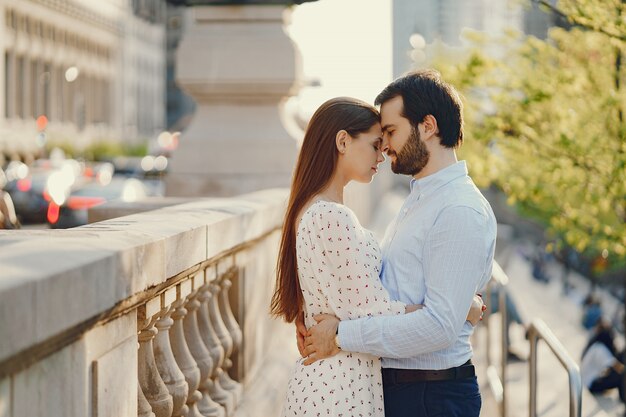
(349, 336)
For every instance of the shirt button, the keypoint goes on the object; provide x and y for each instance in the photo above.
(405, 211)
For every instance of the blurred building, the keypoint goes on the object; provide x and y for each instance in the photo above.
(95, 70)
(445, 20)
(180, 106)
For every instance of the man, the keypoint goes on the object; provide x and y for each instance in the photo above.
(437, 252)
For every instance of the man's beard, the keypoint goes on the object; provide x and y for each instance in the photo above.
(413, 156)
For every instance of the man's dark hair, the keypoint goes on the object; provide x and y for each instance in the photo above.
(424, 92)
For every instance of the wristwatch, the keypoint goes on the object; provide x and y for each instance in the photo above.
(337, 338)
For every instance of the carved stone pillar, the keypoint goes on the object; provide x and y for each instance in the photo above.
(212, 341)
(167, 366)
(207, 335)
(201, 354)
(184, 359)
(239, 66)
(236, 336)
(150, 381)
(226, 341)
(143, 406)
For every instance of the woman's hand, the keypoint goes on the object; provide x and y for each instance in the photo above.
(476, 310)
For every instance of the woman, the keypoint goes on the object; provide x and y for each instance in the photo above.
(328, 263)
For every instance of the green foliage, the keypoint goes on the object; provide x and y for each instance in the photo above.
(545, 124)
(105, 150)
(101, 150)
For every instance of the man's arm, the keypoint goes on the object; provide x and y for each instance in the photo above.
(457, 255)
(320, 341)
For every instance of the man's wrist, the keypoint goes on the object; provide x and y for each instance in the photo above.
(337, 338)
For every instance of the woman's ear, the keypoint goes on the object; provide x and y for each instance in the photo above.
(342, 139)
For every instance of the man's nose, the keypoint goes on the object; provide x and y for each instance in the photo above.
(381, 157)
(385, 144)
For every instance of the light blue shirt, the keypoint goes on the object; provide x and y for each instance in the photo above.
(438, 252)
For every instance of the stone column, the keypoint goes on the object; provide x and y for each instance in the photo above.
(239, 66)
(225, 339)
(214, 346)
(234, 331)
(143, 406)
(165, 361)
(183, 356)
(199, 351)
(150, 381)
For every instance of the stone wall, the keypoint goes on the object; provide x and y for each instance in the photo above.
(153, 313)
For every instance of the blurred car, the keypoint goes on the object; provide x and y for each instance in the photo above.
(73, 211)
(26, 187)
(33, 188)
(141, 167)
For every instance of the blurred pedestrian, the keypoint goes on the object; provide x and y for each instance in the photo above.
(539, 263)
(601, 369)
(592, 311)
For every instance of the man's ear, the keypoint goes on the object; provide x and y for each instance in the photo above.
(342, 139)
(429, 127)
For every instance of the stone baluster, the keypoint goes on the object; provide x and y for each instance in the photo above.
(233, 329)
(143, 406)
(198, 349)
(150, 381)
(183, 356)
(166, 363)
(210, 340)
(216, 349)
(225, 340)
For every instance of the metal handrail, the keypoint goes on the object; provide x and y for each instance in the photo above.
(539, 330)
(499, 280)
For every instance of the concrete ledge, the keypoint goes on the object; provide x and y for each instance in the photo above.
(54, 280)
(114, 209)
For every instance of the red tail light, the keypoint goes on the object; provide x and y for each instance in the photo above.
(81, 203)
(24, 185)
(53, 213)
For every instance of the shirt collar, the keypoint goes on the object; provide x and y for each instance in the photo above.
(440, 178)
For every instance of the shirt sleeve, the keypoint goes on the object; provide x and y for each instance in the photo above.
(346, 267)
(455, 259)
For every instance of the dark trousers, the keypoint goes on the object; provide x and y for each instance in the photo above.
(453, 398)
(611, 380)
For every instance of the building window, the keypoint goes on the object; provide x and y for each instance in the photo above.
(60, 93)
(10, 19)
(20, 87)
(45, 80)
(8, 75)
(34, 90)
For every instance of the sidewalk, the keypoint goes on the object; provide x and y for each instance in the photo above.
(562, 314)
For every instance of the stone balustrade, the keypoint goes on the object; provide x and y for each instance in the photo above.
(156, 314)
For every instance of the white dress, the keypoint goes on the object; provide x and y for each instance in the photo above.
(338, 267)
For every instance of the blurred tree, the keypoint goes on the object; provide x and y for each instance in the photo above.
(546, 123)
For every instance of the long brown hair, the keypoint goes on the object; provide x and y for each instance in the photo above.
(315, 167)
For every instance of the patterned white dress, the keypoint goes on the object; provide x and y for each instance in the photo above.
(338, 266)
